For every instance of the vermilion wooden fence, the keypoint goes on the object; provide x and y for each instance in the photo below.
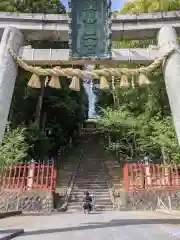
(28, 176)
(152, 176)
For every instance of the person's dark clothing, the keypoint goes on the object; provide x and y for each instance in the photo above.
(87, 198)
(87, 203)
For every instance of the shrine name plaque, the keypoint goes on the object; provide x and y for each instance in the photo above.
(90, 29)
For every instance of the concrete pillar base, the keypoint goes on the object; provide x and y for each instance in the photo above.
(12, 38)
(167, 39)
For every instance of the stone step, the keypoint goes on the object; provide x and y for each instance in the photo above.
(93, 162)
(64, 180)
(91, 183)
(98, 184)
(97, 196)
(79, 207)
(81, 185)
(90, 187)
(97, 199)
(94, 173)
(102, 203)
(100, 209)
(81, 193)
(91, 165)
(86, 173)
(95, 190)
(65, 168)
(91, 176)
(95, 170)
(92, 179)
(80, 196)
(100, 200)
(60, 189)
(86, 177)
(91, 169)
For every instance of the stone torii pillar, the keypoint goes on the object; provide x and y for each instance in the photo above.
(12, 38)
(167, 39)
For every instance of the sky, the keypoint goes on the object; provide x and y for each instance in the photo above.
(116, 4)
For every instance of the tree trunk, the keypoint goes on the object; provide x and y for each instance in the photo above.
(39, 104)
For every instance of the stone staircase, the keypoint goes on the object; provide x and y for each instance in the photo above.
(92, 177)
(64, 175)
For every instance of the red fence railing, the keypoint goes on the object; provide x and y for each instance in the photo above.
(141, 177)
(28, 176)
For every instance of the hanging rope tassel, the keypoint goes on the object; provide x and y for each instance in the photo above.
(132, 82)
(143, 80)
(124, 83)
(55, 82)
(103, 83)
(34, 81)
(95, 74)
(75, 84)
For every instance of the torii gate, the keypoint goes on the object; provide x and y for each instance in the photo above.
(13, 39)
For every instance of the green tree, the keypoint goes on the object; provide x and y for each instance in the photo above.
(14, 148)
(35, 6)
(61, 111)
(142, 123)
(144, 6)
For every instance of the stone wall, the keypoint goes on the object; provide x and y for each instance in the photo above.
(29, 201)
(149, 200)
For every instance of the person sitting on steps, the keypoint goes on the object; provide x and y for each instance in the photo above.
(93, 201)
(87, 202)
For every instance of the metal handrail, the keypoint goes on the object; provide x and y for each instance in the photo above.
(72, 180)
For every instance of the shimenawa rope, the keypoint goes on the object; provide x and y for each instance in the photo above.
(95, 74)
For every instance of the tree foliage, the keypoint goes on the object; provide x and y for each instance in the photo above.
(35, 6)
(145, 6)
(14, 148)
(135, 135)
(141, 123)
(61, 112)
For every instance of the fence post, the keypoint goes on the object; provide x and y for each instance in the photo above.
(147, 171)
(31, 173)
(126, 177)
(53, 178)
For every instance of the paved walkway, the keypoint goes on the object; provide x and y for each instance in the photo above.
(107, 225)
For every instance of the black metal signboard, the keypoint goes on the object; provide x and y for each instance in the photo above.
(90, 29)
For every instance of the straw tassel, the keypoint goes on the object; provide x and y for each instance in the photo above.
(103, 83)
(124, 83)
(75, 84)
(34, 81)
(143, 80)
(55, 82)
(132, 82)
